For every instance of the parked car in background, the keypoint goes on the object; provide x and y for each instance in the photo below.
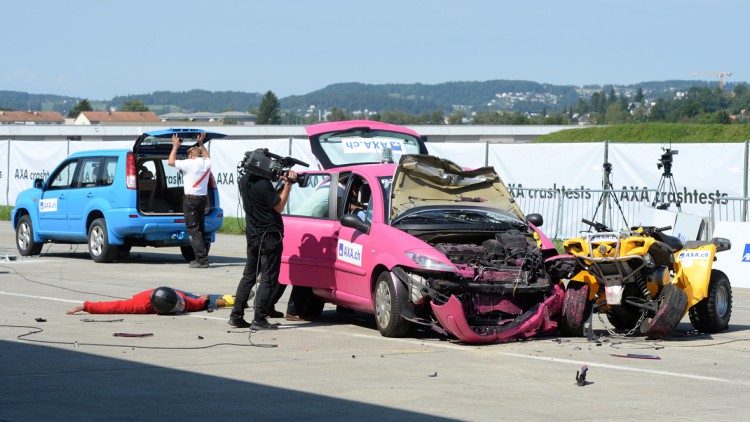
(414, 239)
(113, 200)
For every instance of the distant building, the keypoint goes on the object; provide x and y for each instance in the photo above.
(120, 118)
(31, 118)
(235, 117)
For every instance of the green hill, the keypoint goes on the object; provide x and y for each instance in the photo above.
(652, 133)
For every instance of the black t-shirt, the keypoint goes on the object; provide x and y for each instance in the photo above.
(258, 200)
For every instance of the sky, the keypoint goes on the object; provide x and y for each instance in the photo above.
(99, 49)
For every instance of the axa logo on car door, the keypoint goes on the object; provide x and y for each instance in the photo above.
(349, 252)
(48, 205)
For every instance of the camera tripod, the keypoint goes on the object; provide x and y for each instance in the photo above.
(607, 196)
(667, 180)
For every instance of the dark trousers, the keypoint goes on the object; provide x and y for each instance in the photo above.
(262, 266)
(194, 207)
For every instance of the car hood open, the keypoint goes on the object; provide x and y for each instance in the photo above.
(426, 180)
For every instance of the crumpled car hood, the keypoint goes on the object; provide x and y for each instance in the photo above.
(426, 180)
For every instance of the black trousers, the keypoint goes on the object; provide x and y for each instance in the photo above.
(194, 207)
(262, 266)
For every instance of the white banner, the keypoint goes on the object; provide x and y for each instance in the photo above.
(4, 161)
(226, 156)
(549, 166)
(735, 263)
(699, 172)
(30, 160)
(469, 155)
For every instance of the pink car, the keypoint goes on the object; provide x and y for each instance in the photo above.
(421, 242)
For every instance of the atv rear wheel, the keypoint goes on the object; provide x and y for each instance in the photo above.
(623, 318)
(672, 304)
(576, 309)
(711, 314)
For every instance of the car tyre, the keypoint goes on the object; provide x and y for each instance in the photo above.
(25, 238)
(576, 309)
(99, 247)
(387, 309)
(189, 254)
(672, 303)
(711, 315)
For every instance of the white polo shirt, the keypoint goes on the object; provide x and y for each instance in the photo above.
(195, 173)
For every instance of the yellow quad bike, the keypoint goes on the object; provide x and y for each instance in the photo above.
(644, 281)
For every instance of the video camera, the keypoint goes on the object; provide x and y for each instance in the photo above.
(268, 165)
(666, 160)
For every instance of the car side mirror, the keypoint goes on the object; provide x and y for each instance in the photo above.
(38, 183)
(354, 222)
(535, 219)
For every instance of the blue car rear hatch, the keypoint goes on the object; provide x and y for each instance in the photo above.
(159, 142)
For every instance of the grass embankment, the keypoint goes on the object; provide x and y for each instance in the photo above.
(652, 133)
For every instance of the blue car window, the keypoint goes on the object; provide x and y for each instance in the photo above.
(110, 165)
(89, 174)
(63, 177)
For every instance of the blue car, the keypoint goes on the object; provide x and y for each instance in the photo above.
(114, 200)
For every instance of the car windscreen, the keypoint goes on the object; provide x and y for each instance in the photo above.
(364, 146)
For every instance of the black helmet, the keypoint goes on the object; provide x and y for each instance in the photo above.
(165, 300)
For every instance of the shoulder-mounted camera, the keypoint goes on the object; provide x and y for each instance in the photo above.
(267, 165)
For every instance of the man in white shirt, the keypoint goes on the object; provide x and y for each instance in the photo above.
(196, 171)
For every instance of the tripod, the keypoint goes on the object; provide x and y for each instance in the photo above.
(608, 195)
(667, 179)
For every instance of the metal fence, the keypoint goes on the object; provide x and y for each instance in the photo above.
(564, 210)
(728, 208)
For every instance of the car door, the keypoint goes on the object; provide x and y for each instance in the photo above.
(309, 232)
(89, 181)
(354, 257)
(54, 201)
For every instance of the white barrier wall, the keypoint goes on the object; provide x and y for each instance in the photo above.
(700, 171)
(4, 161)
(735, 263)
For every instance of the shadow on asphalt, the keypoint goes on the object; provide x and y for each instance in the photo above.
(39, 382)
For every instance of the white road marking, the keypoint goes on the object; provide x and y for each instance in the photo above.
(42, 297)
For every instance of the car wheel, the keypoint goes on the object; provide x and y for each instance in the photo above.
(123, 251)
(672, 304)
(387, 309)
(712, 314)
(25, 238)
(576, 309)
(189, 254)
(312, 307)
(99, 246)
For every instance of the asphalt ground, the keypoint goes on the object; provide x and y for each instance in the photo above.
(62, 367)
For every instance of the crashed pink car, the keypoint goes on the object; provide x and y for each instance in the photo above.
(422, 242)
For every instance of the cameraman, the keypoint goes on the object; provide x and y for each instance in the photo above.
(264, 232)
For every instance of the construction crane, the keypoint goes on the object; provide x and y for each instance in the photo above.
(719, 74)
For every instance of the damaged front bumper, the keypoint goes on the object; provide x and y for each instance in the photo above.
(540, 319)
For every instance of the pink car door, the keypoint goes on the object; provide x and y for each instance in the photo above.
(309, 227)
